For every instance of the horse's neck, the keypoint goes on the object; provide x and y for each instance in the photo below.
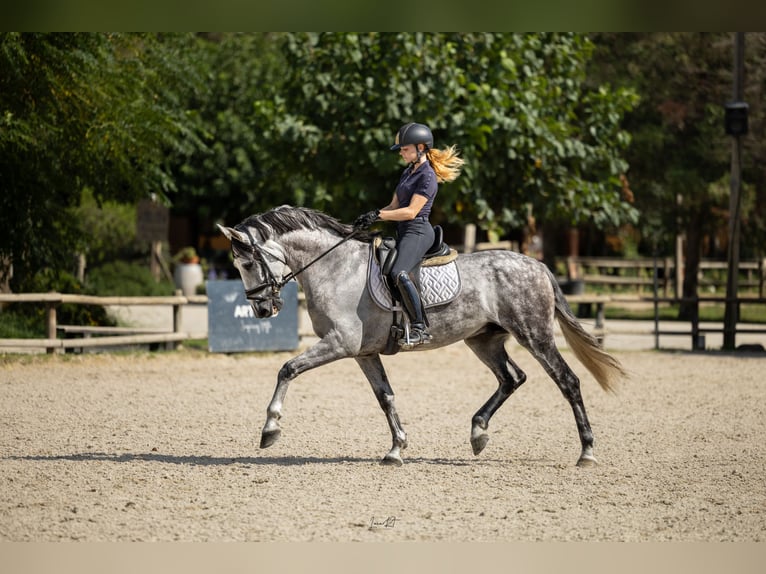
(305, 248)
(302, 248)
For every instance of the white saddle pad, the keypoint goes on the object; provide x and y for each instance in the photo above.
(439, 285)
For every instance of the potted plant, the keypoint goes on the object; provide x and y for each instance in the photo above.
(187, 255)
(188, 271)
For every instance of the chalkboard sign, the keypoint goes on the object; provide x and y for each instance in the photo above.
(232, 325)
(152, 220)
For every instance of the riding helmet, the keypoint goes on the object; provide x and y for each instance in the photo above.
(413, 133)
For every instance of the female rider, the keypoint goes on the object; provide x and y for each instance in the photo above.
(410, 208)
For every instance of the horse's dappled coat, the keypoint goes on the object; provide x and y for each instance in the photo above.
(504, 294)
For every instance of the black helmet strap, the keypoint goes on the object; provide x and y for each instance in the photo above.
(420, 155)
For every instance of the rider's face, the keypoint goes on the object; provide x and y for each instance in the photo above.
(408, 153)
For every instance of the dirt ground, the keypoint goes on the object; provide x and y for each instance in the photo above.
(164, 446)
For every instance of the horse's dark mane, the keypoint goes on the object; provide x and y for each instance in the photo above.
(285, 218)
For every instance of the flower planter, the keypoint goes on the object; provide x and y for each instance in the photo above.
(187, 277)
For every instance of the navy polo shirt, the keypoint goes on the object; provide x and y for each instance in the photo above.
(421, 181)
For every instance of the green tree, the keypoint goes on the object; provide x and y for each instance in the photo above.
(77, 110)
(535, 135)
(111, 229)
(228, 177)
(223, 125)
(680, 156)
(754, 167)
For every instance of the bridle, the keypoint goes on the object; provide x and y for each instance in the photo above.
(257, 252)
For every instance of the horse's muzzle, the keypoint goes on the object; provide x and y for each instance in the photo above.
(265, 308)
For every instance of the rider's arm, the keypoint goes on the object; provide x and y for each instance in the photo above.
(392, 212)
(393, 205)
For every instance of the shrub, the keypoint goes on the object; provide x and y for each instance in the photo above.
(121, 278)
(21, 320)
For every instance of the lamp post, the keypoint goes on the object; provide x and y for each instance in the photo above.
(736, 126)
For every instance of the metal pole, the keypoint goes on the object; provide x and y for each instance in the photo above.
(732, 281)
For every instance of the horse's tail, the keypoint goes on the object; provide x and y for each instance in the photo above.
(606, 369)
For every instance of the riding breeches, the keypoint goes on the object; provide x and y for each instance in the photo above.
(414, 239)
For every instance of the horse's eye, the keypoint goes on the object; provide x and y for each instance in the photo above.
(247, 265)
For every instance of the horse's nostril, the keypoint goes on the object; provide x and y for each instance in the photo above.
(263, 310)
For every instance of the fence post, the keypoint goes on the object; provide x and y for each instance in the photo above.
(50, 324)
(696, 326)
(177, 319)
(600, 322)
(666, 278)
(761, 272)
(656, 323)
(469, 238)
(679, 271)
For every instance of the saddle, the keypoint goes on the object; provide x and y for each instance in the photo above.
(437, 278)
(438, 254)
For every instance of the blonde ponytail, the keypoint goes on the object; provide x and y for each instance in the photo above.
(446, 163)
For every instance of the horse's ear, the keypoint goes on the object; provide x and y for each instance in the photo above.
(232, 234)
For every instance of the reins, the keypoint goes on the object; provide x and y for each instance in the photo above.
(292, 274)
(275, 284)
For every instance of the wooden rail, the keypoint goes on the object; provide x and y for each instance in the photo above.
(109, 336)
(696, 332)
(51, 343)
(754, 272)
(600, 270)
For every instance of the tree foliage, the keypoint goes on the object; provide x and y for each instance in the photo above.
(679, 145)
(680, 157)
(76, 110)
(230, 174)
(534, 135)
(223, 125)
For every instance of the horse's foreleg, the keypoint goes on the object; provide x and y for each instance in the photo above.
(325, 351)
(376, 374)
(490, 348)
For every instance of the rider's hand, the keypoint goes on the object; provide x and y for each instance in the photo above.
(366, 219)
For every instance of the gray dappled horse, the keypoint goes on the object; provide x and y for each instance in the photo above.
(503, 293)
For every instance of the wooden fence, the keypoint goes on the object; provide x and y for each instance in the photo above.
(697, 332)
(639, 273)
(593, 305)
(107, 336)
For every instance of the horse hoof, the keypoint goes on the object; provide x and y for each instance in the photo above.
(587, 460)
(478, 443)
(269, 437)
(391, 460)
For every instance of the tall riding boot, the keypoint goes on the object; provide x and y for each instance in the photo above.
(411, 298)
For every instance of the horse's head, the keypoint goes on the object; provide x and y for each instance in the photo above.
(262, 268)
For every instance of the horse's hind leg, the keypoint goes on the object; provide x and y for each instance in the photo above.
(490, 348)
(373, 370)
(558, 369)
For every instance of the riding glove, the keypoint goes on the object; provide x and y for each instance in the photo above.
(366, 219)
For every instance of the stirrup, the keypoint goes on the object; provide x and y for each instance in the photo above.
(414, 337)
